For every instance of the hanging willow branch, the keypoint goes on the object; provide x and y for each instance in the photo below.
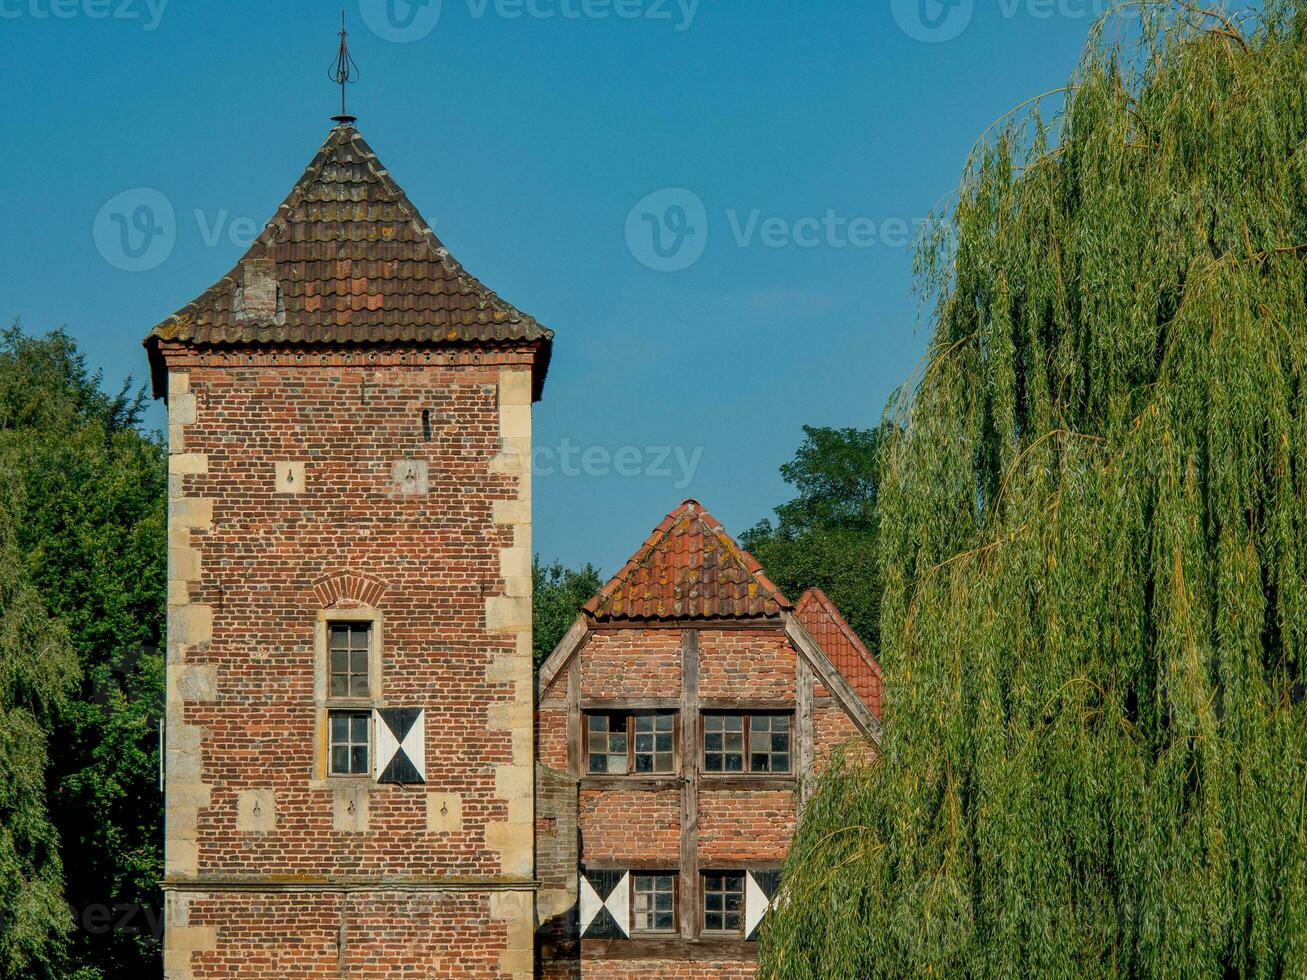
(1095, 761)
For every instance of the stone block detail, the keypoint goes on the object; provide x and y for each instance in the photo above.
(410, 476)
(510, 612)
(288, 477)
(444, 813)
(190, 627)
(256, 811)
(516, 909)
(350, 807)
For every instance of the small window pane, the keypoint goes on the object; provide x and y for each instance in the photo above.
(653, 748)
(350, 741)
(350, 646)
(769, 743)
(723, 743)
(723, 902)
(653, 903)
(606, 744)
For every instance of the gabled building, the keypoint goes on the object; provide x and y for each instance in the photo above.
(349, 760)
(679, 727)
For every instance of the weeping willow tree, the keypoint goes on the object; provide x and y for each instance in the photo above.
(1094, 547)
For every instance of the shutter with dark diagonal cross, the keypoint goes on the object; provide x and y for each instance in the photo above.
(401, 755)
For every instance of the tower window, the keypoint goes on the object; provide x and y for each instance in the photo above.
(350, 742)
(349, 646)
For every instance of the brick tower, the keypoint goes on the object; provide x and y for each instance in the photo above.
(349, 709)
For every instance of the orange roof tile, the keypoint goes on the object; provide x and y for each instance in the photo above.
(689, 568)
(843, 647)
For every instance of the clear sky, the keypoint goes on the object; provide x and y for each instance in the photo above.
(707, 200)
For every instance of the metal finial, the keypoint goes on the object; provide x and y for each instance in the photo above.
(343, 71)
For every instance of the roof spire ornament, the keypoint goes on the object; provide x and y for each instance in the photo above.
(343, 71)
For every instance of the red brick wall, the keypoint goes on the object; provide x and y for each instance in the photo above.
(831, 729)
(746, 664)
(752, 825)
(292, 936)
(437, 559)
(437, 555)
(631, 664)
(625, 825)
(551, 737)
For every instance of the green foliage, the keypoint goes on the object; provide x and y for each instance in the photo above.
(1093, 526)
(826, 536)
(38, 669)
(90, 494)
(559, 593)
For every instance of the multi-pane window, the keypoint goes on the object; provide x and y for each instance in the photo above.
(635, 742)
(608, 747)
(655, 743)
(349, 741)
(723, 901)
(653, 903)
(348, 645)
(769, 743)
(746, 743)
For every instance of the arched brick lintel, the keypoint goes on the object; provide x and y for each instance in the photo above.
(337, 586)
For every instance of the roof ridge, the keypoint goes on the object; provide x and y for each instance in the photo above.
(649, 551)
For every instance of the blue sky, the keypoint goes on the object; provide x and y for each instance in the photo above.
(780, 151)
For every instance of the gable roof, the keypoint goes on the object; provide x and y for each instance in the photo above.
(354, 263)
(688, 568)
(843, 648)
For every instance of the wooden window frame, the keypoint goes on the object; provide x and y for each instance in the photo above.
(350, 713)
(675, 929)
(747, 772)
(703, 903)
(630, 714)
(325, 704)
(351, 626)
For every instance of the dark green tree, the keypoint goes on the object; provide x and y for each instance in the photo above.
(559, 594)
(1093, 532)
(90, 528)
(826, 535)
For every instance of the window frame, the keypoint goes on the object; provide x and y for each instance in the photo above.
(629, 715)
(747, 715)
(325, 705)
(675, 928)
(352, 627)
(352, 714)
(703, 902)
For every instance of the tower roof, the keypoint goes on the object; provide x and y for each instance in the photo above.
(688, 568)
(348, 260)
